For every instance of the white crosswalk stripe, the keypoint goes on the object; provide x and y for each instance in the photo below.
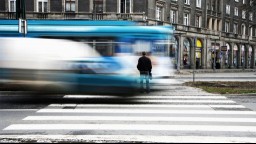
(146, 111)
(180, 118)
(144, 118)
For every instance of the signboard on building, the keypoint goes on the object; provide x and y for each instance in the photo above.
(224, 48)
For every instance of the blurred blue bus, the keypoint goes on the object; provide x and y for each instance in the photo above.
(122, 40)
(118, 43)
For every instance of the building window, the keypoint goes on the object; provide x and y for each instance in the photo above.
(70, 6)
(187, 2)
(98, 6)
(236, 11)
(186, 19)
(243, 29)
(213, 6)
(227, 26)
(251, 2)
(251, 30)
(235, 28)
(159, 13)
(250, 16)
(227, 9)
(243, 14)
(125, 6)
(42, 5)
(198, 21)
(198, 3)
(173, 16)
(12, 5)
(244, 1)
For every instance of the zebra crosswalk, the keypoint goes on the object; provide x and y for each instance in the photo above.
(146, 118)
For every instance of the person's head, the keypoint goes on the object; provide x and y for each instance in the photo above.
(143, 53)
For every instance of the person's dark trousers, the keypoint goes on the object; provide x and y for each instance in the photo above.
(144, 75)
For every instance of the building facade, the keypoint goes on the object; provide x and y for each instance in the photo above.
(209, 34)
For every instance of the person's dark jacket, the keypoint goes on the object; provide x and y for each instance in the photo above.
(144, 64)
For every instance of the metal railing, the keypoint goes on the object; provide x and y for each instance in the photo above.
(77, 15)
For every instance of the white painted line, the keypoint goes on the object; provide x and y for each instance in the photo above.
(145, 106)
(185, 101)
(17, 110)
(133, 127)
(131, 138)
(132, 105)
(144, 118)
(147, 97)
(146, 111)
(227, 106)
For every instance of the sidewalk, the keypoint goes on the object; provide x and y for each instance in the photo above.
(190, 71)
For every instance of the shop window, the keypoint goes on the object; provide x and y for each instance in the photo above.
(250, 56)
(198, 53)
(174, 50)
(226, 56)
(235, 54)
(186, 53)
(242, 55)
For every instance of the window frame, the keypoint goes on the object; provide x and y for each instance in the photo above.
(120, 6)
(243, 14)
(251, 16)
(227, 26)
(188, 19)
(198, 21)
(9, 5)
(173, 16)
(236, 11)
(70, 2)
(198, 3)
(43, 5)
(187, 2)
(235, 30)
(243, 29)
(227, 9)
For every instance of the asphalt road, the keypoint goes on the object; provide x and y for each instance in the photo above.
(170, 113)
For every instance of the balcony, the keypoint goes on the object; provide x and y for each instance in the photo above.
(124, 16)
(7, 15)
(78, 15)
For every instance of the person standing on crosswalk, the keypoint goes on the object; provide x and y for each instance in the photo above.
(144, 66)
